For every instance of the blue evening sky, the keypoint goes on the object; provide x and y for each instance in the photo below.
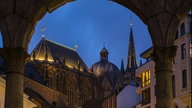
(90, 23)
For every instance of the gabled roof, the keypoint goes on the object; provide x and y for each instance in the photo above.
(55, 52)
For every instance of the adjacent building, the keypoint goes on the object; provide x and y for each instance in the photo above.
(181, 77)
(27, 102)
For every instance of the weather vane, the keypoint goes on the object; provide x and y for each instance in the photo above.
(43, 31)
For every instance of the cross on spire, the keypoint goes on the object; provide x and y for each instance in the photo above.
(43, 31)
(131, 22)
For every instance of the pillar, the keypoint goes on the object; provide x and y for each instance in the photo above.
(163, 57)
(15, 60)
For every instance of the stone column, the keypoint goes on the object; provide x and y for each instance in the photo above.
(163, 57)
(15, 60)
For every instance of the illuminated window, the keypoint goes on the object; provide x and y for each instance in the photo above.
(182, 29)
(146, 96)
(183, 51)
(145, 78)
(184, 78)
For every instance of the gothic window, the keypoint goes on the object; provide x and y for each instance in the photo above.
(183, 51)
(146, 96)
(145, 78)
(184, 79)
(182, 29)
(173, 86)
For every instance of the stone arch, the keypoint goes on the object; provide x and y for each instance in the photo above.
(19, 18)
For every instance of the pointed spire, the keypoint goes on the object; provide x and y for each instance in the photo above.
(122, 65)
(131, 58)
(122, 68)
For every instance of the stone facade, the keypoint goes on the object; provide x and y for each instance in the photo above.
(62, 77)
(181, 76)
(27, 102)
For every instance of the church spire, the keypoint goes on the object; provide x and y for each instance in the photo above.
(131, 58)
(122, 68)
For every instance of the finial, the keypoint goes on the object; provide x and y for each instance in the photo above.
(43, 31)
(104, 44)
(131, 22)
(76, 47)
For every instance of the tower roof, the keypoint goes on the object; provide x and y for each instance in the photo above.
(104, 54)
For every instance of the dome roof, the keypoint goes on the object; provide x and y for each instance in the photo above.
(105, 68)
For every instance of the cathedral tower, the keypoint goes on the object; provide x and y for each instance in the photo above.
(131, 58)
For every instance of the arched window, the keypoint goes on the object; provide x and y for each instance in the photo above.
(191, 27)
(182, 29)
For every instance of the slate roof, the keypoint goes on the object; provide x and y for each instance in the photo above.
(55, 52)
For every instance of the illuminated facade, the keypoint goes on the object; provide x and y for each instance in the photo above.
(60, 68)
(181, 77)
(27, 102)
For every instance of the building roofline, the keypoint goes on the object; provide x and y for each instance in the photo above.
(147, 53)
(61, 45)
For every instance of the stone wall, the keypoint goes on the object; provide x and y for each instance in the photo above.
(49, 94)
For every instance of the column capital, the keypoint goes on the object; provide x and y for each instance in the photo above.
(14, 58)
(163, 56)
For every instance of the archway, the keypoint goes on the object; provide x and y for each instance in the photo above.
(18, 20)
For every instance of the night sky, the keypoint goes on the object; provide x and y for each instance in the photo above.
(91, 23)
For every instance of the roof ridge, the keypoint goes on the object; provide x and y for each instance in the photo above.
(60, 44)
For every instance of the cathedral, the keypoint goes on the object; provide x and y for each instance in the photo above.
(57, 77)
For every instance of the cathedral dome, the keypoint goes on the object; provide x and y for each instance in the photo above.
(105, 68)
